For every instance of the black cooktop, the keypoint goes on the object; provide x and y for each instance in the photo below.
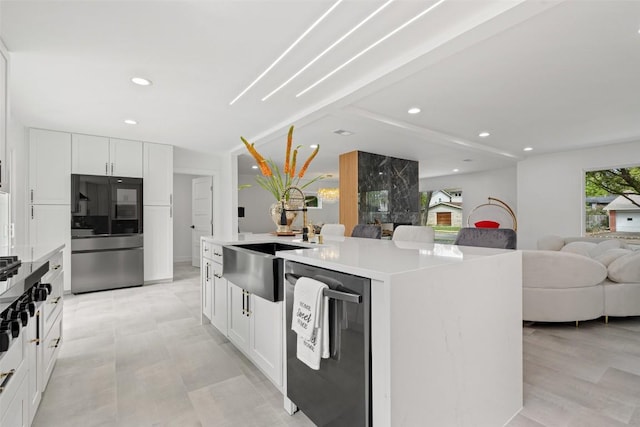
(18, 277)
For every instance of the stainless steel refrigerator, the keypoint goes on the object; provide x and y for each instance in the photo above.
(106, 233)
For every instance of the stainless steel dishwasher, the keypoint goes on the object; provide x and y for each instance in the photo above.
(339, 394)
(106, 262)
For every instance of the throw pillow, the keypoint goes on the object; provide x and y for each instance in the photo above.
(606, 245)
(580, 248)
(611, 255)
(550, 243)
(626, 269)
(486, 224)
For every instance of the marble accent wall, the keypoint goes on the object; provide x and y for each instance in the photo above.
(387, 190)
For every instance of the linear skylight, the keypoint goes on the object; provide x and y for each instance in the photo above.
(347, 34)
(324, 15)
(367, 49)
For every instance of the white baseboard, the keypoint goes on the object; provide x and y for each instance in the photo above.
(182, 258)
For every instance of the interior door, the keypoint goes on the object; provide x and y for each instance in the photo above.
(201, 214)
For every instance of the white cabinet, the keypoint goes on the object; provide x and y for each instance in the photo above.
(14, 410)
(126, 158)
(90, 155)
(206, 272)
(255, 327)
(219, 299)
(49, 167)
(158, 174)
(158, 243)
(34, 364)
(3, 122)
(214, 286)
(238, 322)
(265, 336)
(49, 226)
(253, 324)
(99, 155)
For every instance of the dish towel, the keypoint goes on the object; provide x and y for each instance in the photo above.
(311, 321)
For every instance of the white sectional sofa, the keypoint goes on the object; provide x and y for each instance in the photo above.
(572, 279)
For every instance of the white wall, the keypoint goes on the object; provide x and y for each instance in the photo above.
(189, 161)
(477, 187)
(182, 216)
(257, 201)
(551, 189)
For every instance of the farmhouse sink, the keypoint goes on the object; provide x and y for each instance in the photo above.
(255, 268)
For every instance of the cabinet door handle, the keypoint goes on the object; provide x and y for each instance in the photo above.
(217, 276)
(248, 308)
(216, 253)
(106, 168)
(35, 341)
(7, 376)
(111, 168)
(206, 271)
(56, 300)
(31, 211)
(244, 310)
(32, 195)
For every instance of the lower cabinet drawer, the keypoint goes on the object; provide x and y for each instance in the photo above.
(12, 373)
(53, 305)
(16, 413)
(52, 344)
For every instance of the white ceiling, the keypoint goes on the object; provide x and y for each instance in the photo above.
(553, 75)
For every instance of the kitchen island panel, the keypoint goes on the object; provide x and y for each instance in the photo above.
(456, 344)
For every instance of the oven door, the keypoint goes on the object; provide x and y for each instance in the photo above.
(339, 394)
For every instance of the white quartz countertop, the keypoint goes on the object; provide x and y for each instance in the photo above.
(28, 253)
(376, 259)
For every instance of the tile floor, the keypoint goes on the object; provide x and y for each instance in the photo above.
(139, 357)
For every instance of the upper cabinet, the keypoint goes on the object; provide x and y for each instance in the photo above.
(98, 155)
(3, 122)
(126, 158)
(158, 175)
(49, 167)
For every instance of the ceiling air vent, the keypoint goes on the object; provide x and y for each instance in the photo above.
(343, 132)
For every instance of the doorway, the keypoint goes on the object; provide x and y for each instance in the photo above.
(193, 215)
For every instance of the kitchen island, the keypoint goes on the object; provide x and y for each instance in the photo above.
(446, 328)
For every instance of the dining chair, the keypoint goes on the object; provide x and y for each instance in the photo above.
(367, 231)
(332, 230)
(414, 233)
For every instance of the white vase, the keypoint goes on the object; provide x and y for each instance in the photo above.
(276, 210)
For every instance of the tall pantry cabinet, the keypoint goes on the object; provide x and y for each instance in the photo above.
(50, 193)
(54, 156)
(157, 194)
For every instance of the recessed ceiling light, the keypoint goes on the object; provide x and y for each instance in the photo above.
(351, 31)
(131, 122)
(254, 167)
(484, 134)
(141, 81)
(371, 46)
(313, 146)
(527, 149)
(414, 110)
(324, 15)
(456, 170)
(343, 132)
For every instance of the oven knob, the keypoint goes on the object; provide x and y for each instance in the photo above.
(46, 286)
(39, 294)
(5, 339)
(28, 306)
(11, 326)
